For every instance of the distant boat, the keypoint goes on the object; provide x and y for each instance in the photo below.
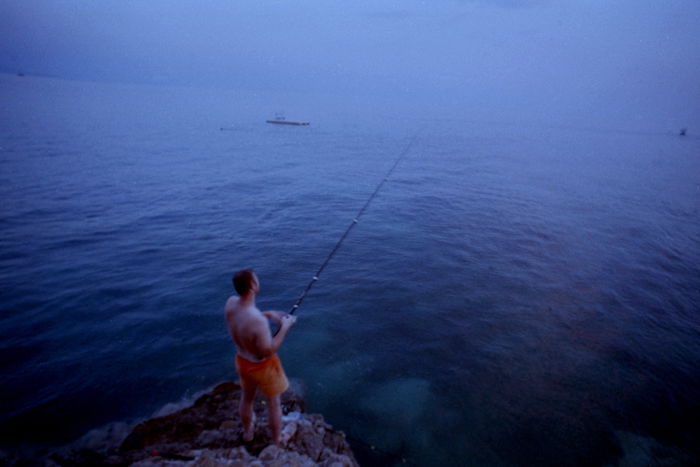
(281, 120)
(287, 122)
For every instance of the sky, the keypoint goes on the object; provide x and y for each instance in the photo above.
(637, 59)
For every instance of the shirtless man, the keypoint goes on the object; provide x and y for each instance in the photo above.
(257, 362)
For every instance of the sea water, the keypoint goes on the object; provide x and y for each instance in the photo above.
(516, 294)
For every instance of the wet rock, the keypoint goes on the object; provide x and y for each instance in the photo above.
(209, 434)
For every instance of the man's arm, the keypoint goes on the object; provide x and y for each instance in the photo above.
(274, 316)
(268, 345)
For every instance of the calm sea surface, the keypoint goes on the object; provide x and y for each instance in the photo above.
(514, 295)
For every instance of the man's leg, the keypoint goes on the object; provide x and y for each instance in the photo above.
(274, 409)
(245, 408)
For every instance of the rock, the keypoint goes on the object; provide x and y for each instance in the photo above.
(308, 440)
(287, 432)
(293, 417)
(274, 456)
(209, 437)
(209, 434)
(228, 425)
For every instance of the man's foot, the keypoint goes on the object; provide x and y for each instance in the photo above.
(250, 433)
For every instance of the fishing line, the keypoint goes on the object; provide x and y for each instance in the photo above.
(354, 222)
(337, 246)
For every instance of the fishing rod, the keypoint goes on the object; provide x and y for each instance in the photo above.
(354, 222)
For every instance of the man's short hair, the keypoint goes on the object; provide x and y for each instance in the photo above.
(243, 281)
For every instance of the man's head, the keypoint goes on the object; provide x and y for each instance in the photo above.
(245, 281)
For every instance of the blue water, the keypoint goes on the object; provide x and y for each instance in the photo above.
(516, 294)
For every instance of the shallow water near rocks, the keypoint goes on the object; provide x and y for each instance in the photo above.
(513, 295)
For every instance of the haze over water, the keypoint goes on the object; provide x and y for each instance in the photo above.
(522, 291)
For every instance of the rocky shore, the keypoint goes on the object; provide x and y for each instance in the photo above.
(209, 433)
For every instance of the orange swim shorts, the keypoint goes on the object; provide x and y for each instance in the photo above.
(267, 375)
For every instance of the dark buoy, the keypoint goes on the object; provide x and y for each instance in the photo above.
(682, 133)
